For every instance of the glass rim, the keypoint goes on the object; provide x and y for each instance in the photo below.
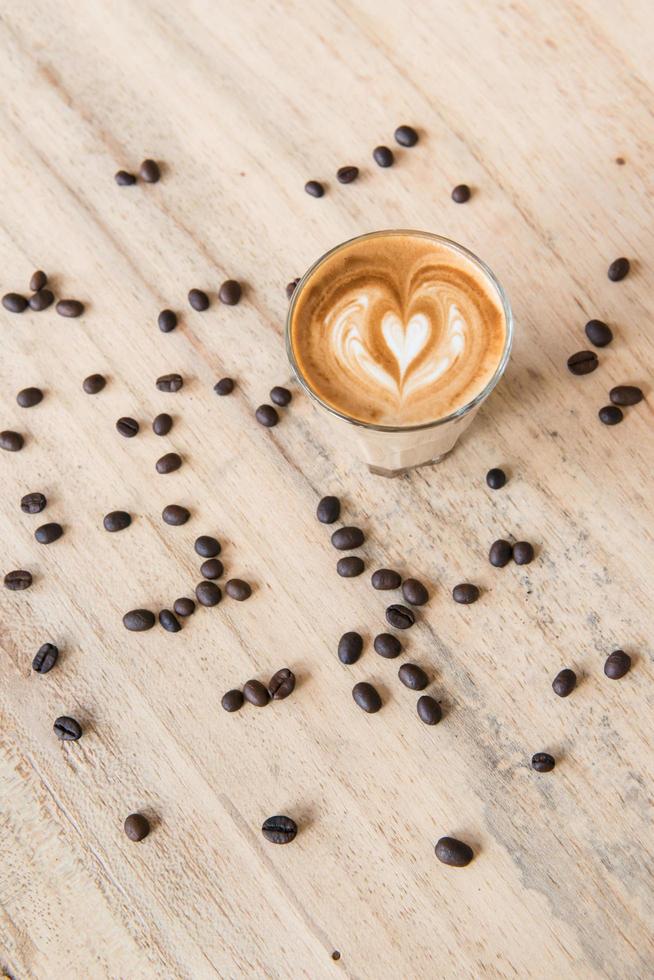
(457, 413)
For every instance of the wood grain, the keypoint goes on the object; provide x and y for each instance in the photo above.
(530, 104)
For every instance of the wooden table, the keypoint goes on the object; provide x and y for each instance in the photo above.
(545, 110)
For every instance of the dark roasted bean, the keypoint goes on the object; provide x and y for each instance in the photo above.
(400, 617)
(610, 415)
(232, 700)
(175, 515)
(184, 606)
(149, 171)
(45, 658)
(500, 553)
(386, 578)
(267, 415)
(93, 384)
(599, 333)
(328, 510)
(69, 307)
(127, 427)
(237, 589)
(626, 395)
(413, 677)
(617, 665)
(169, 621)
(14, 302)
(367, 697)
(170, 382)
(496, 478)
(138, 620)
(28, 397)
(281, 684)
(67, 729)
(429, 710)
(347, 538)
(345, 175)
(18, 580)
(124, 179)
(465, 593)
(47, 533)
(41, 300)
(583, 362)
(453, 852)
(383, 156)
(211, 568)
(618, 269)
(230, 292)
(224, 387)
(167, 321)
(116, 520)
(523, 553)
(543, 762)
(38, 280)
(387, 645)
(198, 299)
(279, 830)
(162, 424)
(565, 682)
(350, 567)
(168, 463)
(280, 396)
(11, 442)
(291, 287)
(406, 136)
(314, 188)
(350, 647)
(208, 593)
(136, 827)
(461, 194)
(33, 503)
(255, 693)
(414, 592)
(206, 546)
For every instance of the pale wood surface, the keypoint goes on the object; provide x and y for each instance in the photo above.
(530, 103)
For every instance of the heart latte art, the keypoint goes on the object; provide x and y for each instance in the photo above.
(397, 329)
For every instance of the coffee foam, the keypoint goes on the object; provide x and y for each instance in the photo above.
(397, 329)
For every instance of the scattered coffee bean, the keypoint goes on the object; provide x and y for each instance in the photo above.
(14, 302)
(429, 710)
(124, 179)
(162, 424)
(383, 156)
(170, 382)
(116, 520)
(45, 658)
(198, 299)
(617, 664)
(387, 645)
(93, 384)
(500, 553)
(169, 621)
(47, 533)
(461, 194)
(232, 700)
(224, 387)
(183, 606)
(523, 553)
(33, 503)
(345, 175)
(38, 280)
(167, 321)
(255, 693)
(400, 617)
(413, 677)
(149, 171)
(279, 830)
(281, 684)
(610, 415)
(386, 578)
(347, 538)
(626, 395)
(175, 515)
(328, 510)
(208, 593)
(138, 620)
(127, 427)
(211, 568)
(69, 307)
(206, 546)
(350, 567)
(453, 852)
(168, 463)
(367, 697)
(291, 287)
(599, 333)
(11, 442)
(136, 827)
(543, 762)
(350, 647)
(465, 593)
(414, 592)
(280, 396)
(18, 580)
(496, 478)
(230, 292)
(28, 397)
(237, 589)
(267, 415)
(41, 300)
(406, 136)
(67, 729)
(565, 682)
(618, 269)
(583, 362)
(314, 188)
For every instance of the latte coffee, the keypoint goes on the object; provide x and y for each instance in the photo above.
(402, 334)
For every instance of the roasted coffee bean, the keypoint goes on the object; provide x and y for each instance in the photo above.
(93, 384)
(67, 729)
(255, 693)
(599, 333)
(347, 538)
(237, 589)
(38, 280)
(175, 515)
(618, 269)
(281, 684)
(314, 188)
(565, 682)
(138, 620)
(41, 300)
(206, 546)
(11, 442)
(429, 710)
(328, 510)
(413, 677)
(184, 606)
(162, 424)
(350, 647)
(345, 175)
(224, 387)
(232, 700)
(28, 397)
(626, 395)
(45, 658)
(465, 593)
(617, 664)
(136, 827)
(406, 136)
(280, 396)
(169, 621)
(496, 478)
(523, 553)
(168, 463)
(14, 302)
(69, 307)
(230, 292)
(367, 697)
(18, 580)
(414, 592)
(167, 321)
(383, 156)
(33, 503)
(543, 762)
(500, 553)
(291, 287)
(208, 593)
(400, 617)
(211, 568)
(386, 578)
(149, 171)
(124, 179)
(279, 830)
(453, 852)
(127, 427)
(387, 645)
(47, 533)
(170, 382)
(610, 415)
(461, 194)
(350, 567)
(267, 415)
(198, 299)
(116, 520)
(583, 362)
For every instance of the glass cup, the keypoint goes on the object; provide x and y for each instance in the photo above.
(393, 450)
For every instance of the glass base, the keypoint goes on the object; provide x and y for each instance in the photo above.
(380, 471)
